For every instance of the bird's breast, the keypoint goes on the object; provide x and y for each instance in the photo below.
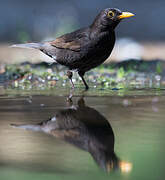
(96, 53)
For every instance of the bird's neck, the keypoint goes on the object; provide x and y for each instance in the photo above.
(98, 28)
(100, 32)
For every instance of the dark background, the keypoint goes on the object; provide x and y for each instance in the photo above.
(37, 20)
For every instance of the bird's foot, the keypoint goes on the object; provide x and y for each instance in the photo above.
(81, 74)
(86, 87)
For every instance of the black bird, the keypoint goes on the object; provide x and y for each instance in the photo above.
(85, 128)
(85, 48)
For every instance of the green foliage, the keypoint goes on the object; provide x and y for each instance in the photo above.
(121, 73)
(144, 66)
(115, 76)
(159, 68)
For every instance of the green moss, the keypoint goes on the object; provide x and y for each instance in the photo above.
(138, 74)
(121, 73)
(159, 68)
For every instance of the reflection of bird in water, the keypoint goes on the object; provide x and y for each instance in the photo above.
(85, 128)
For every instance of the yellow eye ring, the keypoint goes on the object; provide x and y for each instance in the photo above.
(110, 14)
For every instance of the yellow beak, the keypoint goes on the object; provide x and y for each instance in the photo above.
(126, 15)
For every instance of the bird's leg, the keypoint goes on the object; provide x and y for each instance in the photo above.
(81, 74)
(69, 98)
(70, 74)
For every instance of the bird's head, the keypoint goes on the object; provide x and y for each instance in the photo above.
(109, 18)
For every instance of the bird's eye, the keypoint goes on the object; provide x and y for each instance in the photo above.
(110, 14)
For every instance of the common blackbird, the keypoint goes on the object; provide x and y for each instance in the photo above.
(85, 48)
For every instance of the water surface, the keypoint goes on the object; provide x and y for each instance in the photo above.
(101, 137)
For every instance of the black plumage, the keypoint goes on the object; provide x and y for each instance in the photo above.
(85, 48)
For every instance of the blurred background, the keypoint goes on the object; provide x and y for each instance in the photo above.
(39, 20)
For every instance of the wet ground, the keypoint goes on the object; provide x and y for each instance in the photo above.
(131, 74)
(107, 134)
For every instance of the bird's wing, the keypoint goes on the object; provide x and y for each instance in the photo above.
(72, 41)
(61, 43)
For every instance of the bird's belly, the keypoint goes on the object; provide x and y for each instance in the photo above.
(95, 59)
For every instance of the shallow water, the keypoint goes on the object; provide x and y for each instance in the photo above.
(115, 136)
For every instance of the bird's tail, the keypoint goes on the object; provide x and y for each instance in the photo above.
(28, 45)
(28, 127)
